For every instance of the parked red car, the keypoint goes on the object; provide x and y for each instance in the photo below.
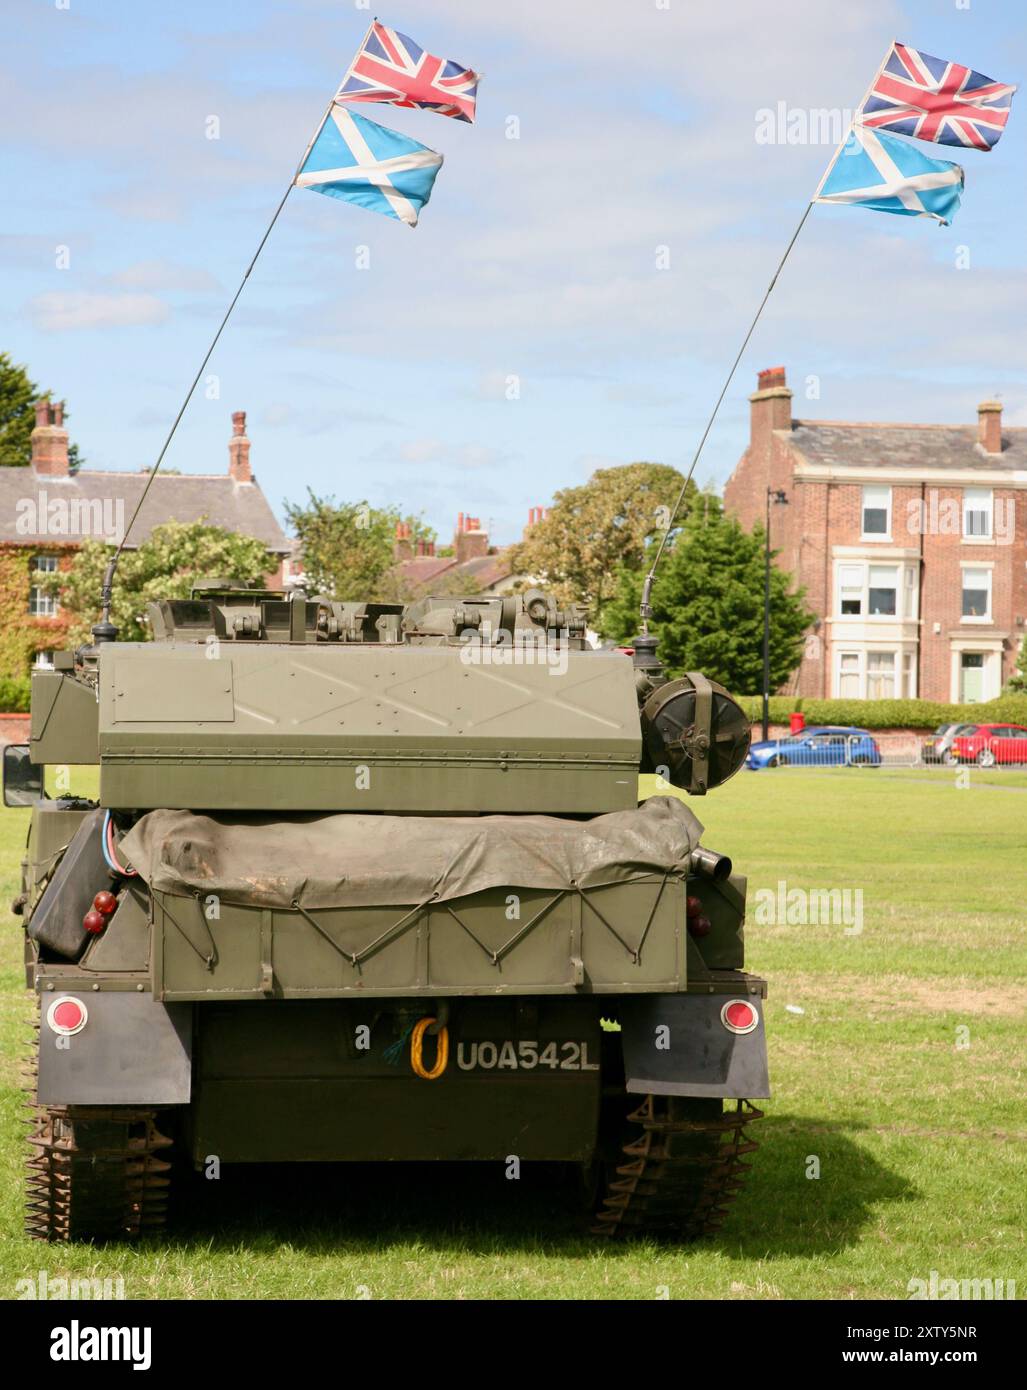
(990, 744)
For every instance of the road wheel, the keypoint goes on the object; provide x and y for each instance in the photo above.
(986, 758)
(949, 758)
(778, 760)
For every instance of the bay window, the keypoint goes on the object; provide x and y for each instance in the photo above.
(881, 590)
(880, 675)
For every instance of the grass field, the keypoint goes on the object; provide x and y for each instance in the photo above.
(897, 1060)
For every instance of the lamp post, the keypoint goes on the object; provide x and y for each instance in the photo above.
(776, 496)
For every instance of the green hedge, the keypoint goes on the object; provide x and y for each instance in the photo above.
(888, 714)
(14, 694)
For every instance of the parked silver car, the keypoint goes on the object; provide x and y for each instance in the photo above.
(938, 747)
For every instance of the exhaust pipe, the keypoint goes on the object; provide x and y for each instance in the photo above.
(711, 864)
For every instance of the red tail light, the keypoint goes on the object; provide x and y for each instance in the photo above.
(67, 1015)
(739, 1016)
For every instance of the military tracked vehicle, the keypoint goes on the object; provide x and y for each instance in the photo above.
(366, 881)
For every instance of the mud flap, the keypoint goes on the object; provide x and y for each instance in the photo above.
(132, 1050)
(678, 1045)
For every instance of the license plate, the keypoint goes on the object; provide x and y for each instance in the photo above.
(526, 1055)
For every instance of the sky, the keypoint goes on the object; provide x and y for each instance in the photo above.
(594, 250)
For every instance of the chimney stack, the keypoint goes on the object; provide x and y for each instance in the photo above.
(404, 547)
(535, 515)
(239, 469)
(470, 541)
(771, 404)
(989, 426)
(50, 440)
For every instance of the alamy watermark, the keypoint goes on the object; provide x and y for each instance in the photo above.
(934, 515)
(935, 1287)
(522, 647)
(44, 1286)
(47, 515)
(797, 125)
(810, 907)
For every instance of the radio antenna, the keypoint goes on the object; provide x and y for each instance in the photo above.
(645, 607)
(104, 630)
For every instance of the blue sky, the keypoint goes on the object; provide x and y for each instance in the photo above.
(537, 260)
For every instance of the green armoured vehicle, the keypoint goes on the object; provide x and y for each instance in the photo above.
(367, 881)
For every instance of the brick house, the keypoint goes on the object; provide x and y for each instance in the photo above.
(47, 511)
(474, 566)
(910, 541)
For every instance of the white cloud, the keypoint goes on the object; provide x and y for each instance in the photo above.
(146, 204)
(55, 312)
(163, 275)
(436, 452)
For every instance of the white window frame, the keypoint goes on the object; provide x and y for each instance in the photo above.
(896, 669)
(979, 495)
(907, 678)
(905, 587)
(903, 669)
(858, 673)
(865, 506)
(860, 570)
(42, 604)
(43, 660)
(898, 590)
(986, 570)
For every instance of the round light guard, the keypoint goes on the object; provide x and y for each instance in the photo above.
(67, 1015)
(739, 1016)
(694, 729)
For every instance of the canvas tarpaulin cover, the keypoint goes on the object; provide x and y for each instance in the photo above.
(349, 860)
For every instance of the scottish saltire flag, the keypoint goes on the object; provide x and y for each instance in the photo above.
(393, 69)
(363, 163)
(925, 97)
(884, 173)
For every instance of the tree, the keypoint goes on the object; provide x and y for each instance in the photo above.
(708, 604)
(165, 565)
(349, 547)
(591, 531)
(17, 417)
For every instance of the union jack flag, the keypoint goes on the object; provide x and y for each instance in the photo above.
(925, 97)
(392, 69)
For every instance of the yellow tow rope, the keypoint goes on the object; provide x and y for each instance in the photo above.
(417, 1044)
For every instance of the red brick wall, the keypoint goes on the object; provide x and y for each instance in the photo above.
(14, 728)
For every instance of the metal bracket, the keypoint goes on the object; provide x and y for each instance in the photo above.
(697, 738)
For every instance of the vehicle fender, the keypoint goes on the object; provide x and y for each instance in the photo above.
(132, 1050)
(678, 1045)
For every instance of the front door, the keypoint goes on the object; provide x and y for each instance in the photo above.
(971, 677)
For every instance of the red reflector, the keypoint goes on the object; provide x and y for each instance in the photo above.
(67, 1015)
(738, 1016)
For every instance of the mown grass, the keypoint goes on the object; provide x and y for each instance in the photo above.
(897, 1058)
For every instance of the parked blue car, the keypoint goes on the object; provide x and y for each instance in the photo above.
(821, 747)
